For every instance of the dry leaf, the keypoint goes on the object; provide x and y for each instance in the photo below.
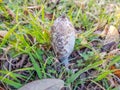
(3, 33)
(101, 23)
(26, 12)
(112, 35)
(109, 47)
(80, 4)
(114, 52)
(110, 8)
(10, 12)
(111, 42)
(116, 72)
(49, 16)
(34, 7)
(1, 88)
(45, 84)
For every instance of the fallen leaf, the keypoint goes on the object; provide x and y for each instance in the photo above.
(34, 7)
(80, 4)
(116, 71)
(112, 35)
(110, 43)
(108, 47)
(3, 33)
(114, 52)
(49, 16)
(26, 12)
(101, 23)
(110, 8)
(10, 12)
(45, 84)
(1, 88)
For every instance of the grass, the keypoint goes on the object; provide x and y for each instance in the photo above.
(29, 34)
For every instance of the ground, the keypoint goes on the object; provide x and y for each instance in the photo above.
(26, 53)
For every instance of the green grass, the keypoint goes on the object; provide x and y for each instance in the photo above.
(30, 34)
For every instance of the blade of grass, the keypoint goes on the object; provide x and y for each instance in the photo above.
(103, 75)
(4, 40)
(43, 13)
(10, 82)
(75, 76)
(36, 66)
